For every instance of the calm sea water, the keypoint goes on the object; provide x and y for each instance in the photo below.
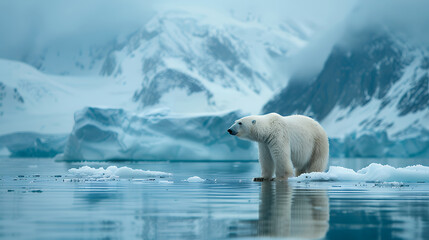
(40, 200)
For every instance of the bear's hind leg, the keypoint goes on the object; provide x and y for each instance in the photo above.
(319, 158)
(316, 165)
(299, 172)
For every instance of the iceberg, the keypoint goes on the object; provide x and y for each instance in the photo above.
(375, 172)
(116, 134)
(29, 144)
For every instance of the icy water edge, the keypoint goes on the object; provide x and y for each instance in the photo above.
(41, 199)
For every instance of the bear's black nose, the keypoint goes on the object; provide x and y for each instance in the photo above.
(232, 132)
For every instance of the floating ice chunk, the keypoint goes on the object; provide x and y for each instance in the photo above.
(166, 182)
(114, 171)
(374, 172)
(195, 179)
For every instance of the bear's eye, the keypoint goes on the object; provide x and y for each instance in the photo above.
(240, 123)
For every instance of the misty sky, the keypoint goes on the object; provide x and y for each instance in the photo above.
(27, 26)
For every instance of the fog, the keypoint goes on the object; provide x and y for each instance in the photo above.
(406, 20)
(27, 27)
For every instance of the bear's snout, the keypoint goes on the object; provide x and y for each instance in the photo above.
(232, 132)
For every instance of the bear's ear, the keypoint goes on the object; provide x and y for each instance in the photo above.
(253, 122)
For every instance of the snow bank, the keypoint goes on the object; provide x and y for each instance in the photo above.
(195, 179)
(103, 134)
(374, 172)
(114, 171)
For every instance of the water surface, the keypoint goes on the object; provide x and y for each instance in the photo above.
(39, 199)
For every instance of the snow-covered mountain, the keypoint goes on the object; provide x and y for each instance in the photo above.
(222, 65)
(213, 61)
(185, 62)
(34, 101)
(371, 94)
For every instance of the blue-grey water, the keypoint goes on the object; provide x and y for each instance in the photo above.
(40, 200)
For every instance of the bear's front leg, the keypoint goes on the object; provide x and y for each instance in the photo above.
(266, 162)
(280, 153)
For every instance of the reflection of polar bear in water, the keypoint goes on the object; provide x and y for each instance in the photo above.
(285, 143)
(296, 213)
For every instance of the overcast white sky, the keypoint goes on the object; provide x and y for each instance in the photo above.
(26, 25)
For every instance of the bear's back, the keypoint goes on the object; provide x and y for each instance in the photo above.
(302, 123)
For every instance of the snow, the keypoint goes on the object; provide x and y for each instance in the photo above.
(229, 58)
(374, 131)
(195, 179)
(198, 100)
(343, 121)
(114, 172)
(373, 173)
(51, 100)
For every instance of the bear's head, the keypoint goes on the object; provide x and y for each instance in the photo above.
(244, 128)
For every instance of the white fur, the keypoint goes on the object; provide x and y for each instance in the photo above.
(285, 143)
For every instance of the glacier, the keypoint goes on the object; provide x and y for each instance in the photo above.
(116, 134)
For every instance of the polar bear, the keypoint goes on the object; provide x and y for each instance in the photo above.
(285, 143)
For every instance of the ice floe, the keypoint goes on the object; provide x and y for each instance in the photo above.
(114, 171)
(373, 173)
(195, 179)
